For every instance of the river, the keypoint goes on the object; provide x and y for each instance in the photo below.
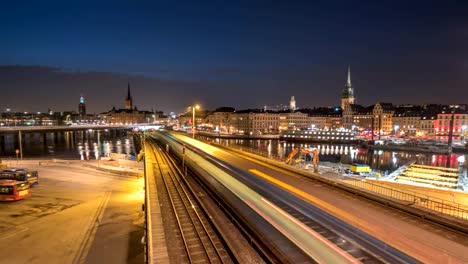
(382, 160)
(92, 144)
(85, 144)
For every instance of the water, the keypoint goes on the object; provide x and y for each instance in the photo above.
(92, 144)
(382, 160)
(85, 144)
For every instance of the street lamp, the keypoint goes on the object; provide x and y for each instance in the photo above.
(396, 127)
(193, 119)
(463, 131)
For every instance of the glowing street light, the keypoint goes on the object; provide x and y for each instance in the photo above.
(193, 119)
(396, 127)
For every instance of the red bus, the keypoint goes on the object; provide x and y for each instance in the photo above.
(11, 190)
(20, 175)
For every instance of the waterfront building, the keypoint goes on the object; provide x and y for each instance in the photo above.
(325, 121)
(254, 122)
(219, 119)
(383, 118)
(357, 117)
(427, 124)
(460, 122)
(347, 96)
(30, 119)
(415, 120)
(323, 117)
(293, 120)
(129, 115)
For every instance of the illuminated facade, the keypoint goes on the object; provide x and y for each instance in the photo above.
(383, 118)
(129, 115)
(292, 104)
(460, 123)
(82, 107)
(325, 121)
(295, 120)
(220, 119)
(249, 122)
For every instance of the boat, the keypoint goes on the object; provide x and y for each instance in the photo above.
(318, 135)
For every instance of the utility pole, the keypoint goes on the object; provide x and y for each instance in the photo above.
(380, 125)
(20, 144)
(145, 203)
(450, 134)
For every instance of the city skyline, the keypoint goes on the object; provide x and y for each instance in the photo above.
(243, 54)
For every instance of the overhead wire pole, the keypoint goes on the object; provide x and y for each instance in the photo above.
(146, 197)
(193, 119)
(193, 122)
(20, 144)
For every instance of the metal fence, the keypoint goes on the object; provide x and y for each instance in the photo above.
(414, 199)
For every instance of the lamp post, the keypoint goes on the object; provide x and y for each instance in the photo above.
(463, 128)
(395, 128)
(193, 119)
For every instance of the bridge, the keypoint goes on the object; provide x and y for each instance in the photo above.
(210, 203)
(31, 129)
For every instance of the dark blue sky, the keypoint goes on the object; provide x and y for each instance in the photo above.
(241, 54)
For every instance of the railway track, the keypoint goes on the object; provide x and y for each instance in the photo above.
(201, 243)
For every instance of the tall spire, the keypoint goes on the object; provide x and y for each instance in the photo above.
(347, 97)
(128, 92)
(128, 100)
(349, 75)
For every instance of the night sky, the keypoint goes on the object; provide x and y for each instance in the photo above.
(243, 54)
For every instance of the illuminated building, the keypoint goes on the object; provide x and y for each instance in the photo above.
(292, 104)
(219, 120)
(460, 122)
(293, 120)
(129, 115)
(82, 107)
(254, 122)
(383, 115)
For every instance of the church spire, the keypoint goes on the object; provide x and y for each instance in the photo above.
(128, 100)
(347, 97)
(349, 75)
(129, 97)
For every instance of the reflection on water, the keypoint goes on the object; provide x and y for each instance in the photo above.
(347, 154)
(85, 145)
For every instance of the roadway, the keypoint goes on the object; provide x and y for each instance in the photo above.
(75, 215)
(424, 241)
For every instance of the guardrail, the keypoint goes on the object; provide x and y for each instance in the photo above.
(425, 201)
(445, 207)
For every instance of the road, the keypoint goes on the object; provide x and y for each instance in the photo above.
(421, 240)
(75, 215)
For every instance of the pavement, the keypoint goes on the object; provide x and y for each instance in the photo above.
(76, 214)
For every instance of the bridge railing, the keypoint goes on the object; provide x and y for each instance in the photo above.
(432, 203)
(414, 199)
